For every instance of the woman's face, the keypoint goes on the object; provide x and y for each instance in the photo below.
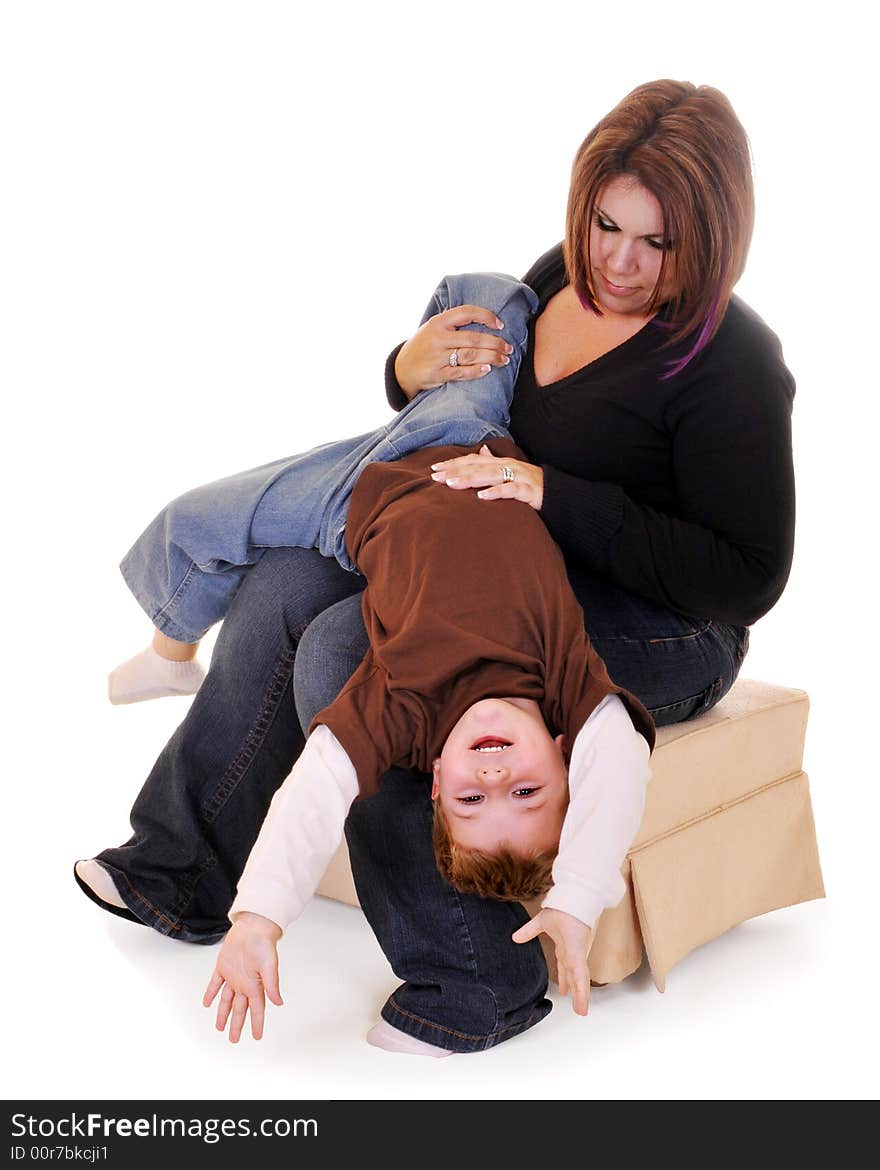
(626, 246)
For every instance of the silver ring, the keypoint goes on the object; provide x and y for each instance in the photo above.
(508, 475)
(453, 358)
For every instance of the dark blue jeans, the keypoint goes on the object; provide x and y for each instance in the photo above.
(465, 985)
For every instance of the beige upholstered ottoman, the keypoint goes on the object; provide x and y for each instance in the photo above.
(727, 835)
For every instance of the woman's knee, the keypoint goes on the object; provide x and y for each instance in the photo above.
(329, 652)
(297, 583)
(495, 291)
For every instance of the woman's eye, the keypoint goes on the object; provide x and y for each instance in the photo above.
(605, 226)
(469, 799)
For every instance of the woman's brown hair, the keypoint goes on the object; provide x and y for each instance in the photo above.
(684, 144)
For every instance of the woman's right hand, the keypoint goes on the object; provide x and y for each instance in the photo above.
(424, 360)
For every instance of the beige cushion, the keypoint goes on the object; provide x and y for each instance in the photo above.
(727, 835)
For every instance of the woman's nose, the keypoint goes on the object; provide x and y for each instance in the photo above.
(621, 258)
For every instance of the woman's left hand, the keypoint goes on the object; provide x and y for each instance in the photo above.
(486, 472)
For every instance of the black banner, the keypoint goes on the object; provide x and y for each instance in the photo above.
(130, 1135)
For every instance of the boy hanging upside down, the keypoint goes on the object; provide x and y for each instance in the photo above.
(479, 672)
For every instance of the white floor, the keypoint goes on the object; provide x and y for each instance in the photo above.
(760, 1013)
(781, 1007)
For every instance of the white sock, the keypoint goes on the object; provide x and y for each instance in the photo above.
(150, 676)
(99, 882)
(383, 1035)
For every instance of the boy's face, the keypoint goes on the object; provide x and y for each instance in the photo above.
(501, 779)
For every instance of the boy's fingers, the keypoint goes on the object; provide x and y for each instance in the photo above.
(561, 976)
(239, 1012)
(579, 982)
(258, 1015)
(528, 931)
(269, 975)
(214, 985)
(581, 998)
(224, 1007)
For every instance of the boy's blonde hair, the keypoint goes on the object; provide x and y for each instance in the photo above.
(505, 876)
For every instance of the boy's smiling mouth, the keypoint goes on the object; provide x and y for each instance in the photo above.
(490, 743)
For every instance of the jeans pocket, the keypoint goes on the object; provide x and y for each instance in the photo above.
(690, 707)
(687, 630)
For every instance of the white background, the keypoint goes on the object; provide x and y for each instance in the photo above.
(216, 220)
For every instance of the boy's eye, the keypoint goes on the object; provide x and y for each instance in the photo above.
(524, 791)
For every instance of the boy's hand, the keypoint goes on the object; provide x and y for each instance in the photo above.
(572, 940)
(248, 966)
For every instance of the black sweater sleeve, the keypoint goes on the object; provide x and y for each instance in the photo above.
(726, 552)
(396, 397)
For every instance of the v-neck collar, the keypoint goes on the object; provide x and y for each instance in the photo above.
(596, 363)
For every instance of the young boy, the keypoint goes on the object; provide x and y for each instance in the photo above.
(480, 672)
(186, 566)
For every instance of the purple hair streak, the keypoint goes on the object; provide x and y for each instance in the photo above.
(708, 328)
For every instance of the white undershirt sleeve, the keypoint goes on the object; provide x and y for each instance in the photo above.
(301, 832)
(607, 777)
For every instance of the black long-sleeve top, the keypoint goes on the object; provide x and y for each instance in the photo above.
(680, 490)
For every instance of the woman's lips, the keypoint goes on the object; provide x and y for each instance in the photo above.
(617, 290)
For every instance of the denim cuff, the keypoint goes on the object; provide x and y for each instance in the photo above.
(142, 911)
(451, 1039)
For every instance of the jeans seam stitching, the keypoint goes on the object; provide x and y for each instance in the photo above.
(174, 599)
(227, 784)
(689, 637)
(171, 923)
(706, 694)
(460, 1035)
(472, 958)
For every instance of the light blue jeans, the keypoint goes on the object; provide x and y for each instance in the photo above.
(187, 565)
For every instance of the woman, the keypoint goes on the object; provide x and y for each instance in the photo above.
(656, 412)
